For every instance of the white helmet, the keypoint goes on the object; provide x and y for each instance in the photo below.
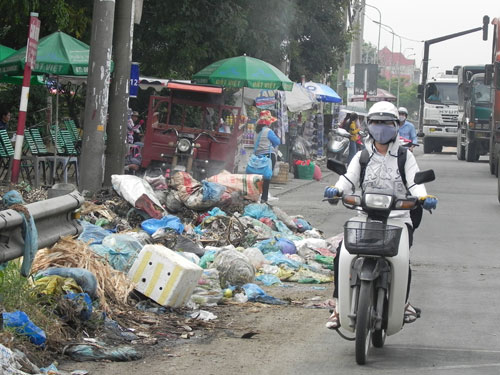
(403, 110)
(384, 111)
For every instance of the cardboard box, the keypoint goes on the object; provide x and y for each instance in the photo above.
(164, 275)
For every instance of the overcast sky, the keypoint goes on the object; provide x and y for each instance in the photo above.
(416, 21)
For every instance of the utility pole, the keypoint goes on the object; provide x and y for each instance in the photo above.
(96, 103)
(116, 149)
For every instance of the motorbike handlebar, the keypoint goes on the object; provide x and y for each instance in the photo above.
(171, 130)
(208, 135)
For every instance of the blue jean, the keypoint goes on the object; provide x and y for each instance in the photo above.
(353, 148)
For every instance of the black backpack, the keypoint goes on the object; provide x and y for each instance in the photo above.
(364, 158)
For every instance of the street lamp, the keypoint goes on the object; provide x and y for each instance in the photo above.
(392, 53)
(379, 27)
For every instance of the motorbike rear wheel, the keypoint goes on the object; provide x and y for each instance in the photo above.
(364, 321)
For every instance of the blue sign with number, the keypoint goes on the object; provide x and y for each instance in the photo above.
(134, 80)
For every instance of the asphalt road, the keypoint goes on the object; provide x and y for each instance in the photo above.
(456, 278)
(456, 282)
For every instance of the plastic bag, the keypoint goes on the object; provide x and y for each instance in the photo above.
(122, 250)
(268, 246)
(24, 326)
(184, 244)
(138, 193)
(54, 284)
(260, 164)
(85, 352)
(234, 267)
(302, 225)
(173, 201)
(85, 279)
(285, 218)
(255, 257)
(286, 246)
(170, 221)
(208, 292)
(256, 294)
(258, 211)
(317, 173)
(277, 258)
(268, 279)
(82, 304)
(207, 258)
(92, 233)
(212, 191)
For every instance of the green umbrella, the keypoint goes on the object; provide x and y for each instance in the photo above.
(244, 71)
(58, 54)
(18, 80)
(5, 52)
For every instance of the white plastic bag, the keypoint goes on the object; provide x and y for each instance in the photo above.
(234, 268)
(255, 257)
(131, 188)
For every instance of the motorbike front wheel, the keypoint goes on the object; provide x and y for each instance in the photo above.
(364, 321)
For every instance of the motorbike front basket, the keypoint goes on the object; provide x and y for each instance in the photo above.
(371, 238)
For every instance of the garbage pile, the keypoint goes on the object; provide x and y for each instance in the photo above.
(156, 247)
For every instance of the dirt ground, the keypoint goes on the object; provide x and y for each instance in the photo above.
(221, 349)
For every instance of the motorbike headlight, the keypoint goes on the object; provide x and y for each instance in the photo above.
(184, 145)
(380, 201)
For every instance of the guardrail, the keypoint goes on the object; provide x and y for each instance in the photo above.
(53, 219)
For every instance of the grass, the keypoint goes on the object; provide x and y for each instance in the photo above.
(18, 293)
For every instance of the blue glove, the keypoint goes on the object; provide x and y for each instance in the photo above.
(430, 202)
(331, 192)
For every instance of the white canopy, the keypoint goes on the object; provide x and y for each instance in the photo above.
(299, 99)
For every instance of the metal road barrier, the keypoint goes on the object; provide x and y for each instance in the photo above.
(54, 218)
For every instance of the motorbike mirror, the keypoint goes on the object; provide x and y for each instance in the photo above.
(420, 134)
(424, 176)
(336, 166)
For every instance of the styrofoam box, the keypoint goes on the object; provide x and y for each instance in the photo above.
(164, 276)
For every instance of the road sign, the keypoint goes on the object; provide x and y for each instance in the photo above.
(34, 33)
(134, 79)
(365, 79)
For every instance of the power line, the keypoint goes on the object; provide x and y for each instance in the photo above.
(402, 37)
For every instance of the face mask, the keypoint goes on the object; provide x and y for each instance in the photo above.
(383, 133)
(402, 119)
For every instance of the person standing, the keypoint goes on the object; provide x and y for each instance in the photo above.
(4, 119)
(350, 124)
(266, 141)
(406, 128)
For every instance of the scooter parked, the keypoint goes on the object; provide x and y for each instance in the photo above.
(337, 147)
(374, 263)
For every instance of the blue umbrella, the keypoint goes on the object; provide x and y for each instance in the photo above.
(323, 92)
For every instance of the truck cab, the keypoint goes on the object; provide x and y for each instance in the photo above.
(440, 115)
(474, 112)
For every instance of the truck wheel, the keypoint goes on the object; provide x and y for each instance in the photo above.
(493, 167)
(427, 146)
(471, 154)
(460, 148)
(498, 185)
(438, 148)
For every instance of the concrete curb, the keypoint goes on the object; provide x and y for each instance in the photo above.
(298, 185)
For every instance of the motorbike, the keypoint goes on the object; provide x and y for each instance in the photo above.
(374, 263)
(337, 147)
(185, 153)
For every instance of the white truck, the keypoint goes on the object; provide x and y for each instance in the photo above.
(440, 115)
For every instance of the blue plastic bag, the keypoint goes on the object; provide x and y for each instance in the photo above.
(278, 258)
(268, 279)
(260, 164)
(93, 233)
(256, 294)
(83, 303)
(24, 326)
(267, 246)
(170, 221)
(302, 225)
(258, 211)
(287, 246)
(212, 191)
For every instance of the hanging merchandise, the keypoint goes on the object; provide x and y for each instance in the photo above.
(320, 132)
(282, 117)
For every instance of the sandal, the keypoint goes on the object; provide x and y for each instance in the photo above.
(333, 321)
(411, 313)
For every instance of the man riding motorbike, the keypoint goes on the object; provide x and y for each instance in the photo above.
(406, 128)
(381, 170)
